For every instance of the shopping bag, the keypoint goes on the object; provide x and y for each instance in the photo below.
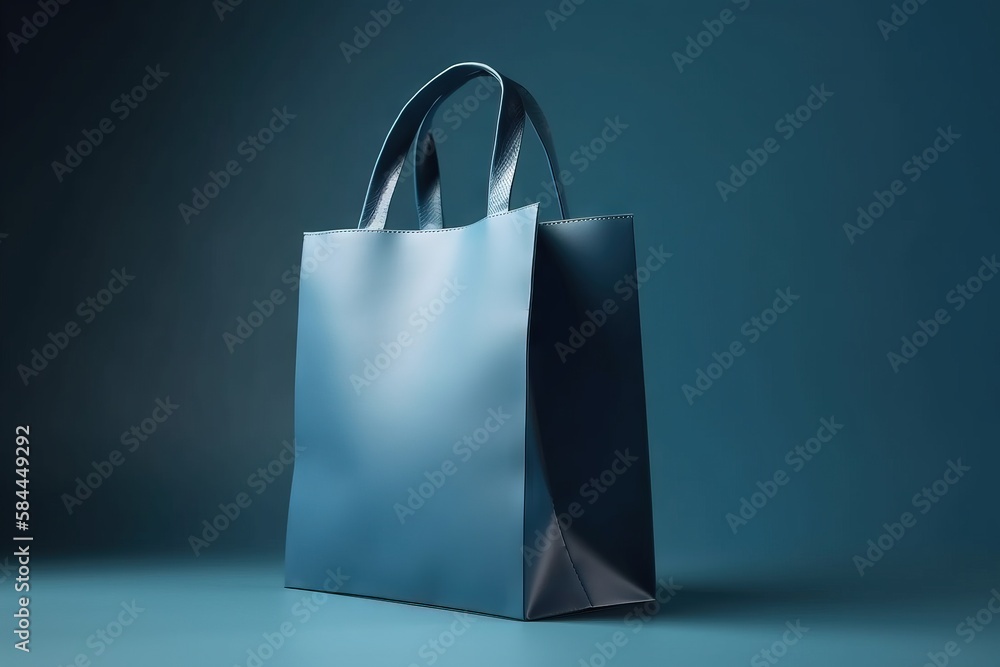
(469, 401)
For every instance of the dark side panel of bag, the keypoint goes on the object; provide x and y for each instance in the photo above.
(589, 408)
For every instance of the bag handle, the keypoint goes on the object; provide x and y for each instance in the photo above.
(427, 181)
(510, 129)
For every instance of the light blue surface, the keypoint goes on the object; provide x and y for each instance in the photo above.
(213, 613)
(406, 342)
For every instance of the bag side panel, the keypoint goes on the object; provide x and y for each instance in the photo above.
(552, 584)
(586, 376)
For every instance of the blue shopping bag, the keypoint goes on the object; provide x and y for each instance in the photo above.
(469, 401)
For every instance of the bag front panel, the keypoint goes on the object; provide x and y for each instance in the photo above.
(410, 395)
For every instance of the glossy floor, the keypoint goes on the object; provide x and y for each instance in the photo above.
(219, 613)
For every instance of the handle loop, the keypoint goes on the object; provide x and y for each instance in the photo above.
(427, 181)
(507, 145)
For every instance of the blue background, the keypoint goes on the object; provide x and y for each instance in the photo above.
(784, 228)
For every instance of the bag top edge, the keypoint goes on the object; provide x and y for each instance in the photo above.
(623, 216)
